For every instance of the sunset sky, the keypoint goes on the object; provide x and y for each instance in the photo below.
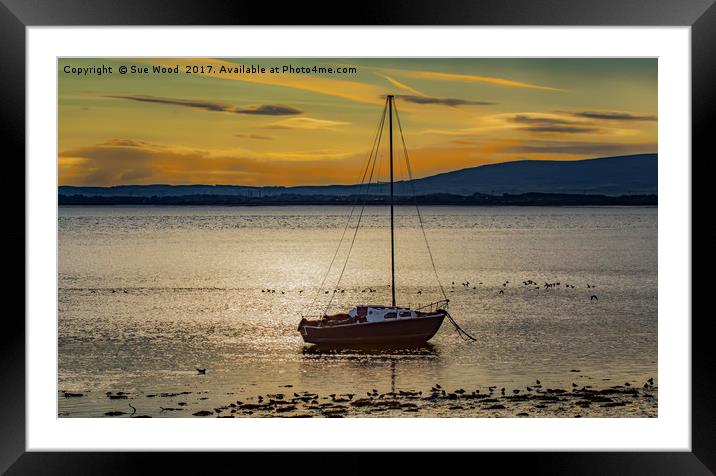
(306, 129)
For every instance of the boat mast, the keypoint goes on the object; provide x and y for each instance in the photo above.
(392, 227)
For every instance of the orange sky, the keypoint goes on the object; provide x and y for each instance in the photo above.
(284, 128)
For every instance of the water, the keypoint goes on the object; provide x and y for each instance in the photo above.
(147, 294)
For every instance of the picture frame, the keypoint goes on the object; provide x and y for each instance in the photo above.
(699, 15)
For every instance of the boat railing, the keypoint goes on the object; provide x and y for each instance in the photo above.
(431, 307)
(434, 306)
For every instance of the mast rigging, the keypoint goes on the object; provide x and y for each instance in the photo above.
(392, 219)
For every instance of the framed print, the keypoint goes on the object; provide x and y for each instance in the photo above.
(443, 227)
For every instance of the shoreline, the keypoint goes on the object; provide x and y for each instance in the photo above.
(289, 205)
(618, 401)
(528, 199)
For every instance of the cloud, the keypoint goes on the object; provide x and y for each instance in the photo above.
(262, 109)
(501, 124)
(400, 85)
(552, 124)
(122, 161)
(268, 110)
(112, 162)
(452, 102)
(123, 149)
(562, 129)
(253, 136)
(470, 78)
(539, 120)
(207, 105)
(613, 116)
(306, 123)
(348, 89)
(125, 143)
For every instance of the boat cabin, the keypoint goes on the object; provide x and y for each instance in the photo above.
(370, 313)
(364, 314)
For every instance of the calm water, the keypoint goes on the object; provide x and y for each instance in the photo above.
(146, 294)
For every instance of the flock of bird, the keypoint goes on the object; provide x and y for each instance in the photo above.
(529, 283)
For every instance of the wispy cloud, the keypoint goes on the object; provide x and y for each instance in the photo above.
(343, 88)
(613, 116)
(403, 86)
(268, 110)
(125, 143)
(253, 136)
(197, 104)
(261, 109)
(552, 124)
(306, 123)
(562, 129)
(541, 120)
(452, 102)
(470, 78)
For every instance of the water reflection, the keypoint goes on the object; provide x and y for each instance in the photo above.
(365, 368)
(424, 349)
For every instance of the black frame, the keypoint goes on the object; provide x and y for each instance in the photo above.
(700, 15)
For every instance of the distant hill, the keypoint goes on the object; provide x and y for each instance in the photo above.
(625, 175)
(611, 176)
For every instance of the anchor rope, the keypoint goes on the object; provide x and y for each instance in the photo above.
(460, 331)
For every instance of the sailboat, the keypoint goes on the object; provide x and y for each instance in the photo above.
(376, 324)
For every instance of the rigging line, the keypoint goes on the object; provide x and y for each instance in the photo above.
(417, 208)
(460, 331)
(360, 217)
(373, 149)
(355, 233)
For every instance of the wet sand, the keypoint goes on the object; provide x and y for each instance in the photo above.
(627, 400)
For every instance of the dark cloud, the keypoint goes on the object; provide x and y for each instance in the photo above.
(613, 116)
(116, 161)
(116, 149)
(452, 102)
(126, 143)
(268, 110)
(583, 148)
(253, 136)
(262, 109)
(562, 129)
(552, 125)
(540, 121)
(207, 105)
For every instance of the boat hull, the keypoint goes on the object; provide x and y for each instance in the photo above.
(402, 331)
